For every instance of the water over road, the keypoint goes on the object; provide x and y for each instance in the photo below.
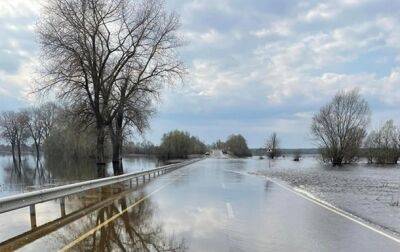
(212, 205)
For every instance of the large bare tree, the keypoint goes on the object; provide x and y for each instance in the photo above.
(340, 127)
(91, 46)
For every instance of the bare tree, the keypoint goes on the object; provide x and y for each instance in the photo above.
(9, 131)
(272, 146)
(340, 127)
(39, 121)
(14, 130)
(48, 113)
(21, 122)
(88, 45)
(35, 125)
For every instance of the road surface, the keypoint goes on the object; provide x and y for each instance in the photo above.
(212, 205)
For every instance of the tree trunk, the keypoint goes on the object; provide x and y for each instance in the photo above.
(13, 154)
(117, 139)
(100, 151)
(37, 147)
(19, 154)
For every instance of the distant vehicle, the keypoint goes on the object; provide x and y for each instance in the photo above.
(224, 152)
(207, 153)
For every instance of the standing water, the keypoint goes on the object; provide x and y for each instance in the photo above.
(50, 173)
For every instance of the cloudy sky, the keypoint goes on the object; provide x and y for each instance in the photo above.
(254, 66)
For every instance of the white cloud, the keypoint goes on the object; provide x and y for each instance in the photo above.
(19, 8)
(321, 11)
(280, 28)
(209, 37)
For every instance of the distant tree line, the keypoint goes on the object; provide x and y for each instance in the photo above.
(180, 144)
(143, 148)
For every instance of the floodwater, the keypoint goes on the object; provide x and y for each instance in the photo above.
(49, 173)
(211, 205)
(371, 192)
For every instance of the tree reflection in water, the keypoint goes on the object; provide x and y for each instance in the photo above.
(134, 230)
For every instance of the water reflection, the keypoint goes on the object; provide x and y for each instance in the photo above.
(134, 230)
(49, 172)
(133, 227)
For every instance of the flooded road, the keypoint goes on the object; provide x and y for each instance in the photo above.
(211, 205)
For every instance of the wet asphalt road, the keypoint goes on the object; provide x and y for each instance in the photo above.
(213, 205)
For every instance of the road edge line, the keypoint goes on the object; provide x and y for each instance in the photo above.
(327, 206)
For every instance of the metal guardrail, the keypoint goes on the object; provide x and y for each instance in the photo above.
(31, 198)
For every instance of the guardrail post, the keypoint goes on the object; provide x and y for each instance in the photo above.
(62, 206)
(137, 181)
(144, 178)
(32, 211)
(130, 183)
(149, 175)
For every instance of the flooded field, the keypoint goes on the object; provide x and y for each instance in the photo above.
(50, 173)
(368, 191)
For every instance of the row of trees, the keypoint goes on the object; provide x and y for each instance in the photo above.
(340, 129)
(108, 60)
(31, 125)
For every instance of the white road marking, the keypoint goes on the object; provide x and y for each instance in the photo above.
(327, 206)
(229, 210)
